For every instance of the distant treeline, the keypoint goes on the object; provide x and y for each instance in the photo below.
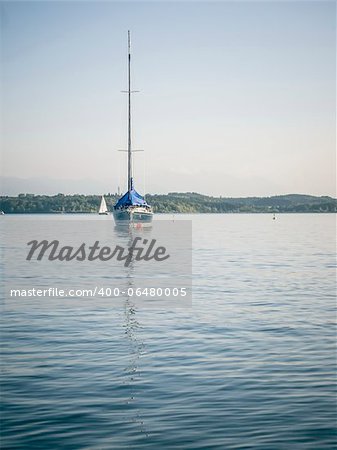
(174, 202)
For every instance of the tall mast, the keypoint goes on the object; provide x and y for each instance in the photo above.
(129, 115)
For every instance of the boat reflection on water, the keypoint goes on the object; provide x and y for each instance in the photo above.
(132, 329)
(125, 226)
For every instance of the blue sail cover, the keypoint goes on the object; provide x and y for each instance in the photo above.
(131, 198)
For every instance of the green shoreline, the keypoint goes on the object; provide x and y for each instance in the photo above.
(188, 202)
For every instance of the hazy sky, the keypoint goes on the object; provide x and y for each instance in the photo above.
(237, 98)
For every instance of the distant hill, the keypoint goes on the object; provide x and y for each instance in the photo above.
(174, 202)
(194, 202)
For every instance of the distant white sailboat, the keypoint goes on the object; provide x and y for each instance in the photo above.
(103, 208)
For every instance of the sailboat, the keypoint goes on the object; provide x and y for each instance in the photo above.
(131, 207)
(103, 208)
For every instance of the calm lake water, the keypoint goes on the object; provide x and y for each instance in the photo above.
(250, 365)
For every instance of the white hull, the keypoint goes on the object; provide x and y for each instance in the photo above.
(132, 215)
